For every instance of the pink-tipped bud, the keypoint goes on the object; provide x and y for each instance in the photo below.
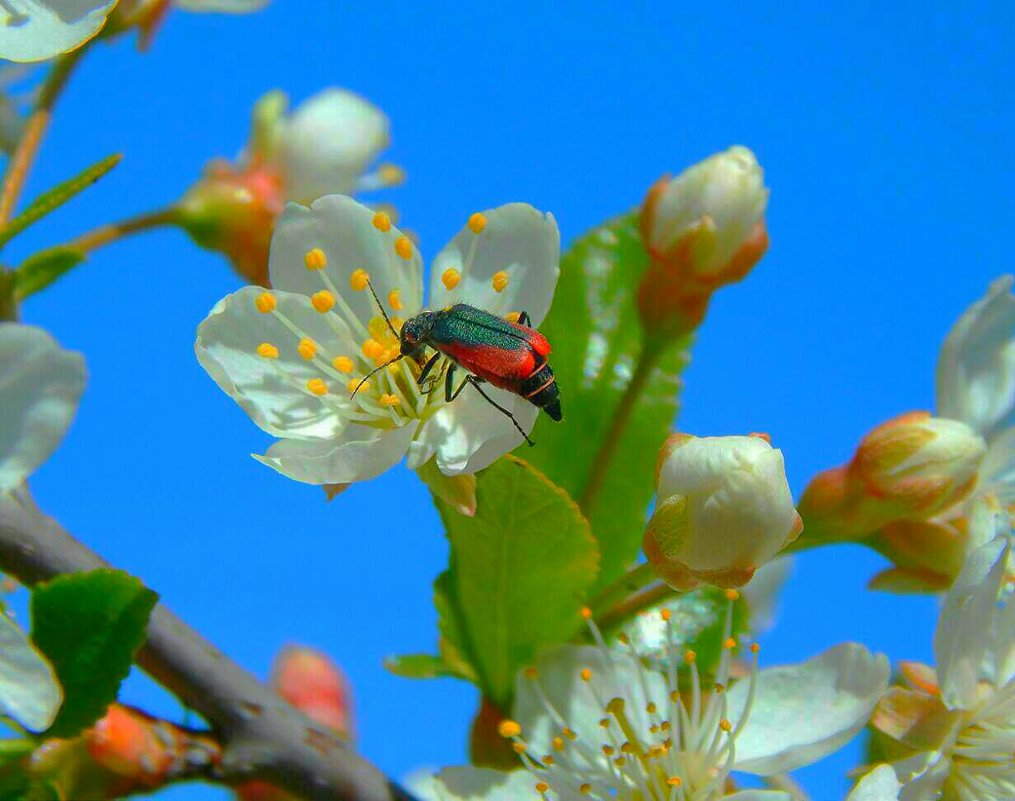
(312, 683)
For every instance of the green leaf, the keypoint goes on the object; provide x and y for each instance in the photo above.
(41, 269)
(50, 201)
(89, 625)
(418, 666)
(29, 693)
(520, 570)
(14, 782)
(596, 335)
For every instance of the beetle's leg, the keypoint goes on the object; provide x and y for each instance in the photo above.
(524, 319)
(424, 374)
(476, 383)
(449, 382)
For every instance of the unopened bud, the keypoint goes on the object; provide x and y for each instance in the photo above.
(703, 229)
(312, 683)
(724, 508)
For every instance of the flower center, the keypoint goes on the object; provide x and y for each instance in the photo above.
(984, 752)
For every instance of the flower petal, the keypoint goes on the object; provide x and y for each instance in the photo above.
(273, 391)
(997, 470)
(467, 783)
(976, 368)
(344, 231)
(880, 784)
(759, 795)
(29, 692)
(762, 592)
(965, 631)
(469, 433)
(359, 454)
(35, 30)
(327, 143)
(803, 712)
(520, 242)
(40, 387)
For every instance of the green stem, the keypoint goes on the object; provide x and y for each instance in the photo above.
(31, 138)
(635, 579)
(634, 604)
(105, 234)
(647, 359)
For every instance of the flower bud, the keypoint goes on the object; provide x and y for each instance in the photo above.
(724, 508)
(312, 683)
(703, 229)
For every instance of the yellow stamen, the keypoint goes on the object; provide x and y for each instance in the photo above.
(307, 348)
(394, 301)
(569, 733)
(342, 363)
(586, 612)
(450, 278)
(477, 222)
(674, 781)
(373, 349)
(508, 728)
(542, 787)
(689, 657)
(732, 595)
(500, 281)
(531, 673)
(585, 789)
(558, 743)
(650, 707)
(267, 350)
(548, 760)
(519, 748)
(391, 174)
(403, 247)
(315, 259)
(729, 643)
(382, 221)
(355, 382)
(317, 386)
(393, 368)
(725, 725)
(609, 750)
(665, 614)
(586, 674)
(390, 400)
(358, 280)
(323, 301)
(266, 302)
(755, 648)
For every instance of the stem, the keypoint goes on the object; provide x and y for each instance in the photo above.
(28, 145)
(633, 605)
(263, 737)
(650, 353)
(104, 234)
(635, 579)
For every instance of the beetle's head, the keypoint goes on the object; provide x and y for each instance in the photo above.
(414, 333)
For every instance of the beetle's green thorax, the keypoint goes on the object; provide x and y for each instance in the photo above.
(415, 331)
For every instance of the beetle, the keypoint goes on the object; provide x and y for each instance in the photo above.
(494, 350)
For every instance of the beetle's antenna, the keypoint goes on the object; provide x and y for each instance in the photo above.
(379, 306)
(375, 370)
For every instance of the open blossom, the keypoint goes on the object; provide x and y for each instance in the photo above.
(292, 357)
(703, 229)
(36, 30)
(325, 146)
(595, 722)
(956, 728)
(724, 508)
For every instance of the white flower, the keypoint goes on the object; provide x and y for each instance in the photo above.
(960, 728)
(36, 30)
(724, 509)
(598, 723)
(40, 387)
(880, 784)
(29, 692)
(292, 357)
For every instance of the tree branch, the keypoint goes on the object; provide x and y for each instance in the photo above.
(263, 737)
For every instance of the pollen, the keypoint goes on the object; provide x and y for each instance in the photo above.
(665, 614)
(732, 595)
(508, 728)
(477, 222)
(267, 350)
(450, 278)
(586, 674)
(373, 349)
(343, 364)
(266, 302)
(403, 247)
(500, 281)
(689, 657)
(586, 612)
(382, 221)
(315, 259)
(394, 301)
(729, 643)
(354, 383)
(317, 386)
(390, 400)
(674, 781)
(358, 280)
(542, 787)
(307, 348)
(323, 301)
(725, 725)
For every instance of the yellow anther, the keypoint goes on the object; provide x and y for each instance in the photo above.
(317, 386)
(315, 259)
(675, 695)
(665, 614)
(586, 612)
(354, 383)
(650, 707)
(403, 247)
(569, 733)
(450, 278)
(343, 364)
(513, 317)
(609, 750)
(725, 725)
(382, 221)
(586, 674)
(585, 789)
(674, 781)
(323, 301)
(391, 174)
(397, 322)
(542, 787)
(689, 657)
(500, 281)
(626, 748)
(623, 639)
(653, 729)
(358, 280)
(558, 743)
(267, 350)
(393, 368)
(604, 722)
(477, 222)
(531, 673)
(266, 302)
(732, 595)
(508, 728)
(373, 349)
(519, 748)
(755, 648)
(719, 688)
(729, 643)
(548, 760)
(394, 301)
(620, 761)
(664, 726)
(390, 400)
(307, 348)
(656, 751)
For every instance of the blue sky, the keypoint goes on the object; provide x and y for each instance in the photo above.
(885, 133)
